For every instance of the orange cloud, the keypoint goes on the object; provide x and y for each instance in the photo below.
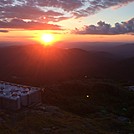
(32, 25)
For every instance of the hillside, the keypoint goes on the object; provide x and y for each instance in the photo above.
(92, 106)
(84, 91)
(49, 65)
(119, 49)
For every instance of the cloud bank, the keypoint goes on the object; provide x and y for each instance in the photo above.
(4, 31)
(104, 28)
(43, 12)
(31, 25)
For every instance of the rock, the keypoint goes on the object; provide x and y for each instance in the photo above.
(51, 109)
(46, 130)
(2, 120)
(123, 119)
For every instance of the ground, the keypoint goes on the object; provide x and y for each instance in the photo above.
(75, 107)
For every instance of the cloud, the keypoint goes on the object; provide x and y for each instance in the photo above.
(21, 12)
(48, 11)
(104, 28)
(27, 12)
(95, 6)
(6, 2)
(66, 5)
(34, 9)
(81, 8)
(32, 25)
(4, 31)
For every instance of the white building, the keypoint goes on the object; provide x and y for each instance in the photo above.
(14, 96)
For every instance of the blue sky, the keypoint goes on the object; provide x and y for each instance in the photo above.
(110, 15)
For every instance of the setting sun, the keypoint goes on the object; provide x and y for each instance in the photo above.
(47, 38)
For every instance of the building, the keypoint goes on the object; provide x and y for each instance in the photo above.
(14, 96)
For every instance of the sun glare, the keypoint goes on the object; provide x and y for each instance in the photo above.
(47, 38)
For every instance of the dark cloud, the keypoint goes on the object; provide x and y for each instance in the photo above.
(32, 13)
(4, 31)
(53, 13)
(20, 24)
(22, 12)
(6, 2)
(37, 8)
(66, 5)
(79, 8)
(104, 28)
(26, 12)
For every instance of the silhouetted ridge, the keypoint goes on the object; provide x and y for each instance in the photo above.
(35, 64)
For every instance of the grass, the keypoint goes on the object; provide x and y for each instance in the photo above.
(76, 113)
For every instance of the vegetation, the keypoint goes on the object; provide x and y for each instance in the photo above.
(89, 106)
(73, 103)
(108, 104)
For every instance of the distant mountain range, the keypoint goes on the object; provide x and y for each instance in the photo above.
(37, 65)
(123, 50)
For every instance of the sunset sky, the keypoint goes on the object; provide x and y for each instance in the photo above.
(67, 20)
